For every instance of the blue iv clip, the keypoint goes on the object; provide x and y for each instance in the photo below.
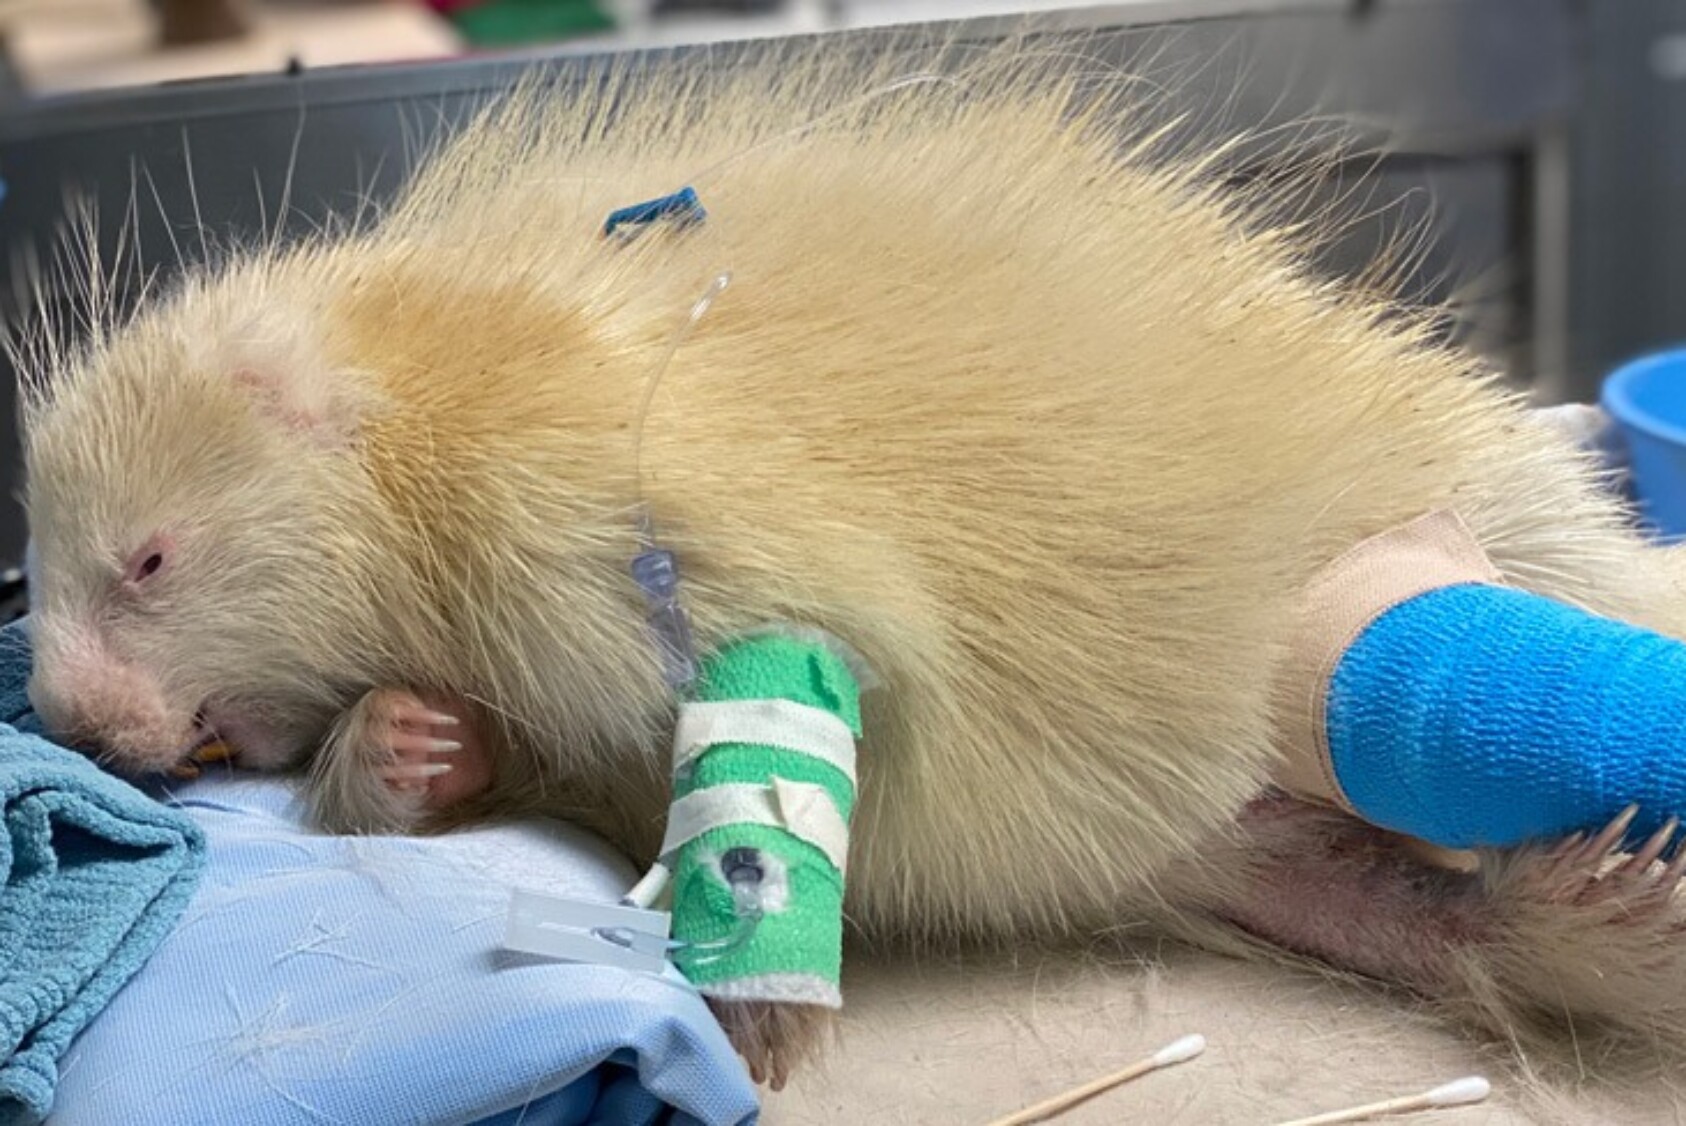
(682, 206)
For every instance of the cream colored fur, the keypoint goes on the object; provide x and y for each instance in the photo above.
(1030, 412)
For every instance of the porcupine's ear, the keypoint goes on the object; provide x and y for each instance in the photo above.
(288, 379)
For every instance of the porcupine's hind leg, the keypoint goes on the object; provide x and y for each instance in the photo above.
(1525, 944)
(1512, 717)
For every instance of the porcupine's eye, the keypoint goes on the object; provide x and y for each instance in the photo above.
(147, 563)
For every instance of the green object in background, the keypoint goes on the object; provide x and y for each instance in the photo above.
(505, 23)
(796, 950)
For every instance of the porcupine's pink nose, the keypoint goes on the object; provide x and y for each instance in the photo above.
(87, 697)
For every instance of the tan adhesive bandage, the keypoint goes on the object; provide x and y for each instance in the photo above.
(1340, 602)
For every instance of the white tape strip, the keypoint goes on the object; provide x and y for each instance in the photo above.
(804, 810)
(783, 989)
(772, 723)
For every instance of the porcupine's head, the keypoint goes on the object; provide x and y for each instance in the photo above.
(203, 554)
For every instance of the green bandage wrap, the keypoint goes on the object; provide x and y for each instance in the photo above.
(795, 953)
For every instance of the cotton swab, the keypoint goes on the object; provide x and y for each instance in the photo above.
(1185, 1049)
(1459, 1092)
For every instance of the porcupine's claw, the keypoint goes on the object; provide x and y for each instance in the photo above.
(1597, 871)
(410, 739)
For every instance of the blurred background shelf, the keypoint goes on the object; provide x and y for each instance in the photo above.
(54, 46)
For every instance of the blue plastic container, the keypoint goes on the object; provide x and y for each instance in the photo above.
(1647, 400)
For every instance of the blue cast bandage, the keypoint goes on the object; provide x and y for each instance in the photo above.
(1477, 715)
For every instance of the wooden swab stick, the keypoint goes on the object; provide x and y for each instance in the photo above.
(1185, 1049)
(1459, 1092)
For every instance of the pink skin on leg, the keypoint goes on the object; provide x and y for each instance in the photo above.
(1357, 897)
(1362, 899)
(437, 753)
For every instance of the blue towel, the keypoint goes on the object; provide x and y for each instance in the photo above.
(96, 874)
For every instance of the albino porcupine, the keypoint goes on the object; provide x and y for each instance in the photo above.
(1031, 413)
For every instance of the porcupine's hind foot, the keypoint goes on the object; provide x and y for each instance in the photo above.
(1588, 934)
(395, 758)
(1549, 947)
(775, 1039)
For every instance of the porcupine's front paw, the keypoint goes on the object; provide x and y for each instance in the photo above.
(396, 757)
(773, 1038)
